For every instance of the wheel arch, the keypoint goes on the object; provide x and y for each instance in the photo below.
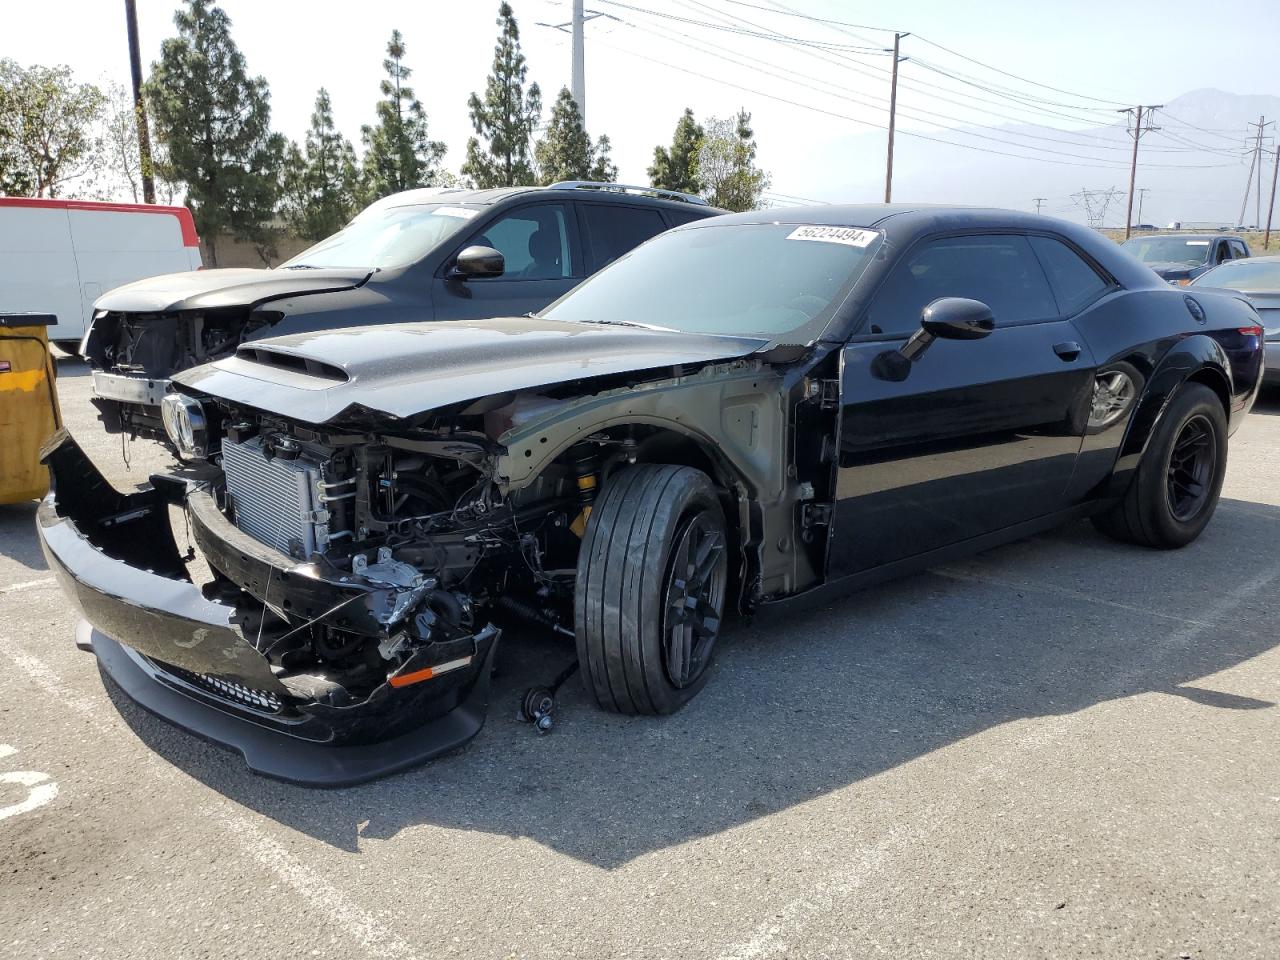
(1197, 359)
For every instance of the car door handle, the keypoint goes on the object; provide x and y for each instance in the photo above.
(1068, 350)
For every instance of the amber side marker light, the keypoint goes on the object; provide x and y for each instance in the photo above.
(417, 676)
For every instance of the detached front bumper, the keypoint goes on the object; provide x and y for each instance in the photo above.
(186, 658)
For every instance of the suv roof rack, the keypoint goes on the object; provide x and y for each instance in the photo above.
(629, 188)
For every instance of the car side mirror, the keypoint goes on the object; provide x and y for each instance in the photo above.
(477, 262)
(947, 318)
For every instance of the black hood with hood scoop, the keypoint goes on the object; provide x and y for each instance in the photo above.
(410, 368)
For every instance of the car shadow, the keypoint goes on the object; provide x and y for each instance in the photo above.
(17, 535)
(804, 703)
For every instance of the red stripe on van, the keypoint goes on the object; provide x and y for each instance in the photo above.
(185, 220)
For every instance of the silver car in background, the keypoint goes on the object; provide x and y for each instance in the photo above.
(1258, 278)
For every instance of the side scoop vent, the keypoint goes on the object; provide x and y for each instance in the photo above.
(289, 361)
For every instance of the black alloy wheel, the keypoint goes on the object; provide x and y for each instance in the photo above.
(1191, 469)
(653, 579)
(694, 599)
(1174, 491)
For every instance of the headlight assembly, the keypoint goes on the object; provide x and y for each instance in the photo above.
(187, 426)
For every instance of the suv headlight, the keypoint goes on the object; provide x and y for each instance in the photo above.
(187, 426)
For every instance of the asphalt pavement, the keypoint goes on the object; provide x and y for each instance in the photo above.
(1065, 747)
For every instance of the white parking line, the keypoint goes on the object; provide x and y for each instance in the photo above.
(968, 575)
(318, 892)
(773, 937)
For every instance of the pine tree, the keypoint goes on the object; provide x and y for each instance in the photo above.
(566, 152)
(506, 116)
(603, 169)
(677, 168)
(215, 121)
(320, 181)
(726, 164)
(399, 153)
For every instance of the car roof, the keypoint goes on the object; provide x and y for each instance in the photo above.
(903, 223)
(604, 193)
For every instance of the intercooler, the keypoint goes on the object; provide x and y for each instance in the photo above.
(277, 501)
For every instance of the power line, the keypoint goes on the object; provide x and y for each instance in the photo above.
(878, 126)
(880, 103)
(804, 42)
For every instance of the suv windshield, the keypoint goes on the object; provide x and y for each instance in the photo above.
(1188, 250)
(387, 237)
(763, 279)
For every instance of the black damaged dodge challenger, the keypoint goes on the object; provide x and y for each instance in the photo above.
(737, 413)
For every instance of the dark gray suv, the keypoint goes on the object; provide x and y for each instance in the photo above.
(429, 254)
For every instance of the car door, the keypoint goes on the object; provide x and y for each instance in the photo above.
(539, 244)
(978, 435)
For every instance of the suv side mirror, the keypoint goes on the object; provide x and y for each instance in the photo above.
(947, 318)
(477, 262)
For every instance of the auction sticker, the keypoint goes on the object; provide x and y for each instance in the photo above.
(849, 236)
(461, 212)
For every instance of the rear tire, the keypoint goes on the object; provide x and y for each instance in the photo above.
(650, 596)
(1179, 479)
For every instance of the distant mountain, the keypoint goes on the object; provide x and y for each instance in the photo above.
(1209, 186)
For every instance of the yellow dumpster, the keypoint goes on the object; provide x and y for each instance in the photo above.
(28, 404)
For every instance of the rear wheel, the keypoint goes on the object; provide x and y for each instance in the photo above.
(650, 597)
(1179, 479)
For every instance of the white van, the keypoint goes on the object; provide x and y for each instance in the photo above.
(59, 256)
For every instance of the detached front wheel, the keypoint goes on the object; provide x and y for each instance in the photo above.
(650, 597)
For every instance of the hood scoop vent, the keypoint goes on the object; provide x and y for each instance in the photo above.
(291, 361)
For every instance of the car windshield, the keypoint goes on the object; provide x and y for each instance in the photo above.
(1248, 276)
(387, 237)
(1188, 250)
(766, 280)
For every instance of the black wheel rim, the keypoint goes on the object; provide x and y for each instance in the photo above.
(1191, 466)
(694, 604)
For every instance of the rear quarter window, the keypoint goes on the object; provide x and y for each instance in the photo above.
(1074, 281)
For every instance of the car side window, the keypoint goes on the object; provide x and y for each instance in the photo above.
(533, 241)
(1238, 251)
(613, 229)
(1001, 271)
(1074, 282)
(1223, 253)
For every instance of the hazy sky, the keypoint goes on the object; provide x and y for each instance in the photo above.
(1117, 52)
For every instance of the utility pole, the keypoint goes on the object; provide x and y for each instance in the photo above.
(1255, 163)
(1137, 131)
(1271, 204)
(893, 116)
(579, 87)
(1142, 195)
(1039, 201)
(578, 73)
(139, 106)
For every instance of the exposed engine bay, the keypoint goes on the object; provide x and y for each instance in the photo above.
(414, 535)
(150, 346)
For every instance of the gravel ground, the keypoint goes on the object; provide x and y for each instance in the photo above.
(1060, 748)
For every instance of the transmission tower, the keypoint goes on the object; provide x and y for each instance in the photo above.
(1095, 204)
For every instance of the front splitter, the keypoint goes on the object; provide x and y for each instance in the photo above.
(280, 756)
